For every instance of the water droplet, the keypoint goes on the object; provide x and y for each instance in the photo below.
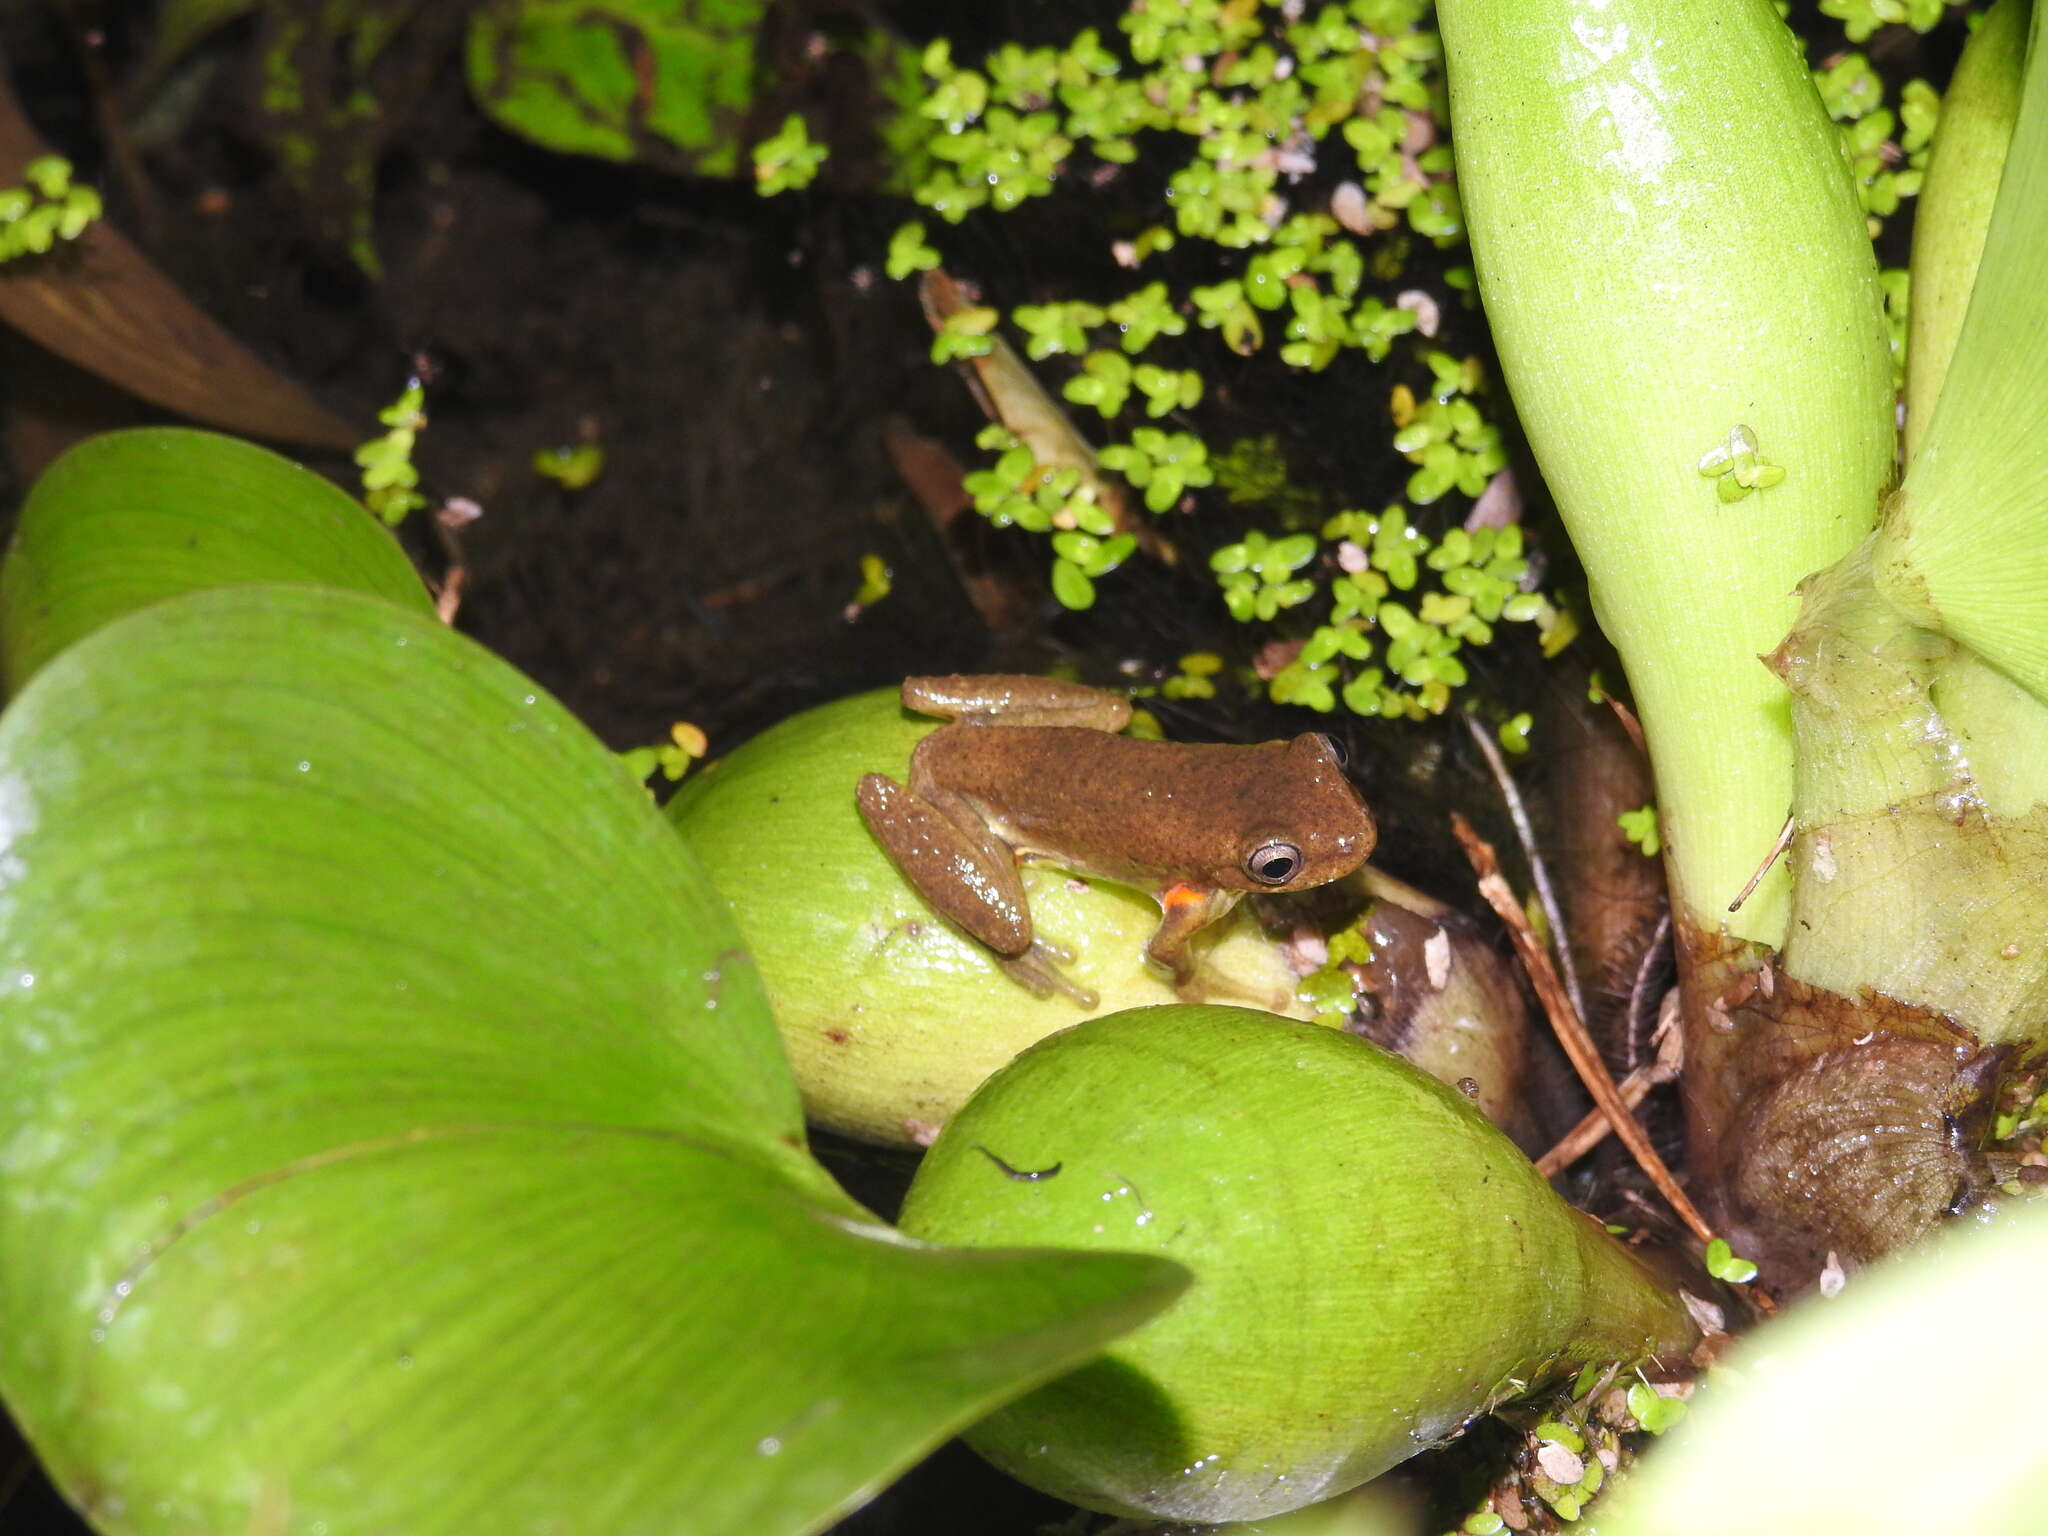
(768, 1445)
(304, 766)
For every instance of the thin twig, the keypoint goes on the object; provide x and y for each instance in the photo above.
(454, 514)
(1777, 851)
(1627, 717)
(1594, 1129)
(1518, 814)
(1570, 1028)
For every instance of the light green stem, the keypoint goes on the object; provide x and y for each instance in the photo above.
(1669, 247)
(1963, 169)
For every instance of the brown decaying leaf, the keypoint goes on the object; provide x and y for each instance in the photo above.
(1010, 393)
(100, 303)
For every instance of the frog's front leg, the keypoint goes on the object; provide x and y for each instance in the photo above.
(967, 874)
(1008, 698)
(1184, 911)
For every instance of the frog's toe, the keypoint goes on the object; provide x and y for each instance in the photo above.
(1053, 954)
(1038, 970)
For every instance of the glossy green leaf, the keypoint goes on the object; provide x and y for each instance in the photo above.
(394, 1135)
(129, 518)
(669, 80)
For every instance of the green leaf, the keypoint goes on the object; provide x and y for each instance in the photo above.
(1964, 546)
(1724, 1264)
(1070, 584)
(128, 518)
(395, 1131)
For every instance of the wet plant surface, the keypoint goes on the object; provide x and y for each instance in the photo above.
(745, 369)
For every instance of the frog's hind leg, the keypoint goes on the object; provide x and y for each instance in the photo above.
(968, 876)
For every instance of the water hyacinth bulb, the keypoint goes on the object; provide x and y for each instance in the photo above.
(1374, 1262)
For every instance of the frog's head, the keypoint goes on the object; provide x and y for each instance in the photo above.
(1320, 830)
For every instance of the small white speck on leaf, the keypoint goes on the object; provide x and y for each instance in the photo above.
(1832, 1276)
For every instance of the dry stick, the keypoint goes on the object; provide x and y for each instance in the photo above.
(451, 516)
(1591, 1131)
(1570, 1031)
(1626, 716)
(90, 45)
(1594, 1129)
(1777, 851)
(1525, 834)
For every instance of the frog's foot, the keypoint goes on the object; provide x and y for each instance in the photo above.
(1038, 970)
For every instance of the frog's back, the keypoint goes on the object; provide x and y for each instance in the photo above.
(1147, 812)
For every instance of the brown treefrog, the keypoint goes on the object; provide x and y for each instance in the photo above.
(1032, 769)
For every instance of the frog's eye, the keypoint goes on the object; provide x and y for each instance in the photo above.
(1273, 863)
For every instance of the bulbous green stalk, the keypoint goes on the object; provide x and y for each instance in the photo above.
(1374, 1262)
(1910, 881)
(1964, 547)
(1670, 248)
(1922, 803)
